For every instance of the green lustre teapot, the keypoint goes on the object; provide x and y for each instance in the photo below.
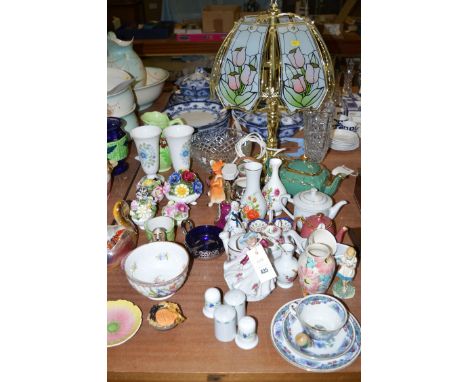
(300, 175)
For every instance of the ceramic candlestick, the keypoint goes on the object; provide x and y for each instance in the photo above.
(212, 300)
(246, 337)
(225, 323)
(236, 298)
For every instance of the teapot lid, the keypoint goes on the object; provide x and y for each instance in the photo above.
(313, 199)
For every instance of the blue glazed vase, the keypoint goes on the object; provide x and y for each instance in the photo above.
(117, 145)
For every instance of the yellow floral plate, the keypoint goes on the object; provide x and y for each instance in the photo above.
(123, 321)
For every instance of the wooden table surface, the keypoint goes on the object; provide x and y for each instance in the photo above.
(190, 351)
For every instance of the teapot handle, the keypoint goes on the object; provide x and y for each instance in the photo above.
(289, 199)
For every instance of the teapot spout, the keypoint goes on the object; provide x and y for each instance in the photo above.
(340, 235)
(333, 211)
(332, 184)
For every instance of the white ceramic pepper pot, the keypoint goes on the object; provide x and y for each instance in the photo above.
(225, 323)
(236, 298)
(246, 337)
(212, 300)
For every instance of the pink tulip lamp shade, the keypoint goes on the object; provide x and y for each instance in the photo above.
(123, 321)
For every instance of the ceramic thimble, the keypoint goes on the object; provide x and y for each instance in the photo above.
(212, 300)
(225, 323)
(246, 337)
(236, 298)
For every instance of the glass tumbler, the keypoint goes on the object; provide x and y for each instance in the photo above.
(317, 130)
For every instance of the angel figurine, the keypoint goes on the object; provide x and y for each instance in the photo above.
(346, 272)
(239, 272)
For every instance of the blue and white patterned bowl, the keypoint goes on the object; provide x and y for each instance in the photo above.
(202, 115)
(257, 123)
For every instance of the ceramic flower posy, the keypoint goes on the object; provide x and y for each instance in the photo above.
(143, 209)
(183, 183)
(236, 83)
(176, 210)
(301, 86)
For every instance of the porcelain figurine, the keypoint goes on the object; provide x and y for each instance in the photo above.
(240, 274)
(216, 192)
(253, 203)
(234, 220)
(343, 287)
(310, 224)
(223, 211)
(184, 186)
(300, 175)
(286, 266)
(120, 55)
(316, 269)
(312, 202)
(274, 188)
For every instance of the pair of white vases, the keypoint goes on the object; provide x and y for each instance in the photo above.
(178, 138)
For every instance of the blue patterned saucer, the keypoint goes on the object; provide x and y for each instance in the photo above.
(307, 363)
(332, 348)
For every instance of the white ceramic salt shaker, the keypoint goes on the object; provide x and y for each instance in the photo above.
(236, 298)
(246, 337)
(212, 300)
(225, 323)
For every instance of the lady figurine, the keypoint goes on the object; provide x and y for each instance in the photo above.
(234, 220)
(240, 274)
(346, 272)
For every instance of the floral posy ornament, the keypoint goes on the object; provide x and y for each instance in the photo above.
(184, 186)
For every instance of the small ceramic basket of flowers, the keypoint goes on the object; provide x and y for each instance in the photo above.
(184, 186)
(142, 209)
(179, 211)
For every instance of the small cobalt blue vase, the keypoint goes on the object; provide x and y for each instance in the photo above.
(117, 145)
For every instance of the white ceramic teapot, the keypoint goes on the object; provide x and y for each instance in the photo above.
(312, 202)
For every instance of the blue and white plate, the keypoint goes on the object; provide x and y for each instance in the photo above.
(332, 348)
(200, 115)
(305, 362)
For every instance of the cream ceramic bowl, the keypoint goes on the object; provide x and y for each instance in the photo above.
(122, 102)
(157, 270)
(146, 95)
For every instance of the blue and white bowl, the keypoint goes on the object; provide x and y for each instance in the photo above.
(257, 123)
(204, 116)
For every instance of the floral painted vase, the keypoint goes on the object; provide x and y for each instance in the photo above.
(253, 204)
(274, 188)
(316, 269)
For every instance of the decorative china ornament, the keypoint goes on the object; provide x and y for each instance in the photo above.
(141, 210)
(253, 204)
(347, 263)
(216, 193)
(274, 188)
(316, 268)
(184, 186)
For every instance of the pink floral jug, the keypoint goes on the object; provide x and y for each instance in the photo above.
(316, 269)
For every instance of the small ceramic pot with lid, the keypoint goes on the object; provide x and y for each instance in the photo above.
(195, 86)
(312, 202)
